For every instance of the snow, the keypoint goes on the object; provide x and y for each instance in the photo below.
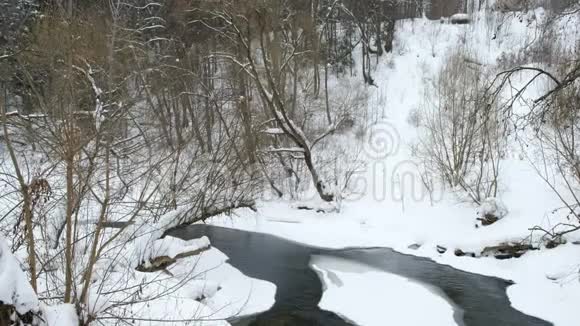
(274, 131)
(388, 206)
(492, 207)
(60, 315)
(15, 289)
(459, 18)
(381, 298)
(286, 150)
(239, 295)
(554, 295)
(203, 287)
(97, 304)
(212, 292)
(392, 208)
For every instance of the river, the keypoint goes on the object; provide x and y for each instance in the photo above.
(478, 300)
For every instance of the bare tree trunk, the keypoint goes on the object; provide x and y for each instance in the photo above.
(102, 219)
(69, 160)
(27, 202)
(326, 101)
(314, 5)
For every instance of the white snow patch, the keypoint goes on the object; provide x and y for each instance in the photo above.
(60, 315)
(457, 18)
(371, 297)
(492, 206)
(274, 131)
(15, 289)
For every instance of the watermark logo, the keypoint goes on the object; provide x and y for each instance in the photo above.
(381, 141)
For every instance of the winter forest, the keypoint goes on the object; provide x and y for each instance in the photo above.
(289, 162)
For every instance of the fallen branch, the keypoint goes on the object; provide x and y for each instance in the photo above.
(162, 262)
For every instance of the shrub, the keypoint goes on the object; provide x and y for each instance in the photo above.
(462, 136)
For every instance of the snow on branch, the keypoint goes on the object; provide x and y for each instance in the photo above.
(273, 131)
(97, 91)
(25, 116)
(286, 150)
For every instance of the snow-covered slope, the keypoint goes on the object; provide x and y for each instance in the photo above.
(395, 210)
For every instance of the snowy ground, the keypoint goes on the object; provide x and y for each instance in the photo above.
(394, 211)
(203, 288)
(217, 292)
(17, 292)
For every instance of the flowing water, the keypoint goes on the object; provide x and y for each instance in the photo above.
(478, 300)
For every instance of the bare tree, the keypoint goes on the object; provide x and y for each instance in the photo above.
(550, 114)
(463, 139)
(270, 47)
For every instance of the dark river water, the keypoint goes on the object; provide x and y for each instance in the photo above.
(478, 300)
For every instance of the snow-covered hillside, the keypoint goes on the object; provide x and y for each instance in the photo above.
(393, 208)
